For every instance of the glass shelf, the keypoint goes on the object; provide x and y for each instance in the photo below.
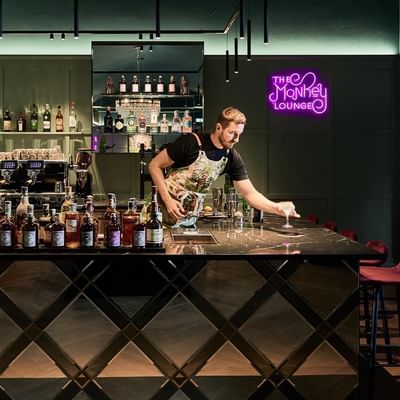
(45, 133)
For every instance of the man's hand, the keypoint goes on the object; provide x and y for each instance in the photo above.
(287, 205)
(174, 208)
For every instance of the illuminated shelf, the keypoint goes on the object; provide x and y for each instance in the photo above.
(45, 133)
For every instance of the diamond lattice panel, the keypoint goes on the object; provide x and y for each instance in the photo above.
(221, 283)
(40, 382)
(131, 388)
(228, 361)
(179, 396)
(324, 286)
(90, 334)
(130, 362)
(276, 329)
(179, 337)
(32, 285)
(82, 396)
(8, 331)
(232, 388)
(348, 329)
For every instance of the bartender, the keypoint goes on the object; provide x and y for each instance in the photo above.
(196, 160)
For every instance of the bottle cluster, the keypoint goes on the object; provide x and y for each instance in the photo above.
(149, 86)
(33, 122)
(136, 122)
(69, 229)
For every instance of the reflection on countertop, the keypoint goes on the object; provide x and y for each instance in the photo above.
(268, 238)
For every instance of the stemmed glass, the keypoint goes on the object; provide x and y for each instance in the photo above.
(288, 208)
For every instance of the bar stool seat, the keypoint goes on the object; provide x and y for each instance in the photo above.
(349, 233)
(332, 225)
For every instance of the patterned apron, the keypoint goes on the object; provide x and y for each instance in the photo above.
(190, 184)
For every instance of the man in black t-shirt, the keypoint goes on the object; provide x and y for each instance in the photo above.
(196, 161)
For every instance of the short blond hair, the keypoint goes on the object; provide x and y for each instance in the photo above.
(231, 114)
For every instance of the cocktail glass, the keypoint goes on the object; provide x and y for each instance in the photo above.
(288, 209)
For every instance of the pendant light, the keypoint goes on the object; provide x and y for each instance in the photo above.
(158, 19)
(266, 22)
(241, 20)
(236, 70)
(227, 66)
(248, 40)
(76, 19)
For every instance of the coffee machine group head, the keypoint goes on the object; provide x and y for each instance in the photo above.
(83, 176)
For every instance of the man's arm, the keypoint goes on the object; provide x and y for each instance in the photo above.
(258, 200)
(156, 167)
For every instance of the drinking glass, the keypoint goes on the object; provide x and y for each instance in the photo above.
(287, 208)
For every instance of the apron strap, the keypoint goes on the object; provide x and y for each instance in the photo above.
(197, 138)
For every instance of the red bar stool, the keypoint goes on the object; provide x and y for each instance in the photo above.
(330, 225)
(377, 277)
(381, 247)
(313, 218)
(349, 233)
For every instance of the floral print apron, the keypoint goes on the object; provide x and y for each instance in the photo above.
(190, 184)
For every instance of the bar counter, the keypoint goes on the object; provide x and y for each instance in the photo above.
(265, 312)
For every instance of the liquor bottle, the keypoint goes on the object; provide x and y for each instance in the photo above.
(72, 228)
(113, 232)
(34, 119)
(8, 230)
(47, 119)
(44, 220)
(7, 121)
(164, 124)
(108, 121)
(57, 233)
(66, 205)
(109, 85)
(122, 85)
(119, 124)
(89, 209)
(172, 85)
(160, 84)
(47, 229)
(142, 123)
(139, 234)
(153, 120)
(135, 88)
(176, 123)
(184, 85)
(154, 228)
(131, 124)
(111, 209)
(21, 122)
(30, 231)
(22, 211)
(72, 117)
(88, 232)
(187, 122)
(59, 120)
(129, 219)
(147, 84)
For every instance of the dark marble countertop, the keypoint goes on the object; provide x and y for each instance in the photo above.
(267, 240)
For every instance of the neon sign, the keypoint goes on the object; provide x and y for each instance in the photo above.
(298, 92)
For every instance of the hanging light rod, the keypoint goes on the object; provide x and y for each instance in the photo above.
(1, 19)
(158, 19)
(266, 41)
(241, 21)
(76, 19)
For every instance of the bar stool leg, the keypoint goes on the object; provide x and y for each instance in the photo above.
(374, 320)
(367, 316)
(385, 326)
(398, 305)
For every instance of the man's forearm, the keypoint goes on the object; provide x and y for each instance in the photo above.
(260, 202)
(158, 179)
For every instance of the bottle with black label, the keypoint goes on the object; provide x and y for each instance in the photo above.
(119, 124)
(154, 228)
(7, 121)
(47, 119)
(122, 85)
(113, 233)
(8, 230)
(88, 232)
(30, 231)
(34, 119)
(57, 233)
(21, 122)
(108, 121)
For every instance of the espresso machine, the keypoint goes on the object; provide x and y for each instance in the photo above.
(83, 176)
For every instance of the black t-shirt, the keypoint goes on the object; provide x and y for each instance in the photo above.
(185, 150)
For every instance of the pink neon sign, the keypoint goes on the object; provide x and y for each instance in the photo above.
(298, 92)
